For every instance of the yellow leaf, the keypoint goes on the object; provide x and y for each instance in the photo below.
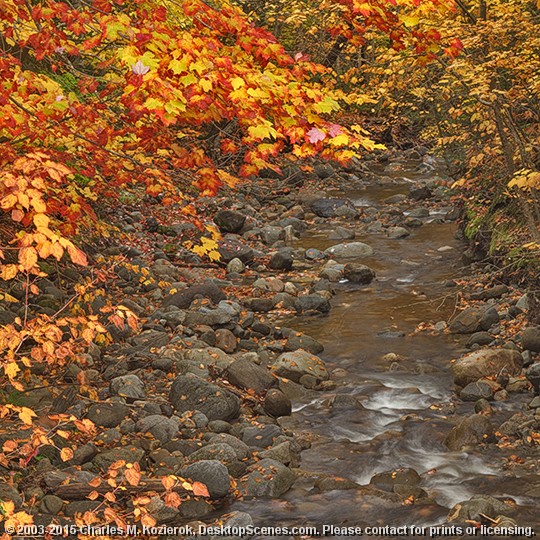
(205, 84)
(66, 454)
(26, 415)
(28, 257)
(237, 82)
(8, 298)
(41, 220)
(11, 369)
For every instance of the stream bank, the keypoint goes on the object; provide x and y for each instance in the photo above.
(342, 307)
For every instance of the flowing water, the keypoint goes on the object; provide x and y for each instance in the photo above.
(407, 405)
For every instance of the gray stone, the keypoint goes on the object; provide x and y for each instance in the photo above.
(240, 448)
(419, 213)
(471, 431)
(235, 266)
(473, 320)
(229, 221)
(219, 451)
(183, 299)
(293, 365)
(225, 340)
(358, 273)
(129, 454)
(161, 427)
(271, 234)
(312, 302)
(476, 390)
(283, 452)
(245, 374)
(128, 386)
(350, 250)
(530, 339)
(477, 507)
(268, 478)
(213, 474)
(297, 340)
(51, 504)
(276, 403)
(282, 260)
(160, 511)
(533, 376)
(341, 233)
(261, 436)
(189, 392)
(397, 232)
(486, 363)
(232, 248)
(389, 479)
(107, 414)
(480, 338)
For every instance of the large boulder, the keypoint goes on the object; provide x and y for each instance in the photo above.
(296, 364)
(350, 250)
(189, 393)
(212, 473)
(486, 363)
(358, 273)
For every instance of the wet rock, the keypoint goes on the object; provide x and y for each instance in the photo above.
(328, 208)
(229, 221)
(471, 431)
(419, 213)
(225, 340)
(161, 427)
(294, 365)
(189, 392)
(533, 376)
(235, 266)
(276, 403)
(389, 479)
(213, 474)
(268, 478)
(107, 414)
(261, 436)
(231, 248)
(282, 260)
(245, 374)
(350, 250)
(482, 406)
(332, 483)
(342, 233)
(418, 193)
(486, 363)
(478, 506)
(396, 233)
(297, 340)
(476, 390)
(480, 338)
(358, 273)
(312, 302)
(129, 454)
(473, 320)
(487, 294)
(128, 386)
(530, 339)
(346, 401)
(183, 299)
(284, 452)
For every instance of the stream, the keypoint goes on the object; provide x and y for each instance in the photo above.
(407, 404)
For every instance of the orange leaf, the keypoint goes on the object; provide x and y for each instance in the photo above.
(76, 255)
(200, 489)
(66, 454)
(28, 257)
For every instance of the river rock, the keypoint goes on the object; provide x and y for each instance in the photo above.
(183, 299)
(235, 266)
(229, 221)
(328, 208)
(225, 340)
(395, 233)
(350, 250)
(128, 386)
(294, 365)
(342, 233)
(530, 339)
(297, 340)
(218, 451)
(107, 415)
(161, 427)
(480, 338)
(248, 375)
(471, 431)
(419, 192)
(189, 392)
(473, 320)
(276, 403)
(533, 376)
(476, 390)
(213, 474)
(312, 302)
(240, 448)
(232, 248)
(129, 454)
(261, 436)
(282, 260)
(486, 363)
(388, 480)
(268, 478)
(358, 273)
(478, 506)
(284, 452)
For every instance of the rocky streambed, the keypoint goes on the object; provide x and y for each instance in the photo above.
(330, 374)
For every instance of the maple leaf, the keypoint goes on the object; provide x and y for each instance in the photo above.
(138, 68)
(315, 135)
